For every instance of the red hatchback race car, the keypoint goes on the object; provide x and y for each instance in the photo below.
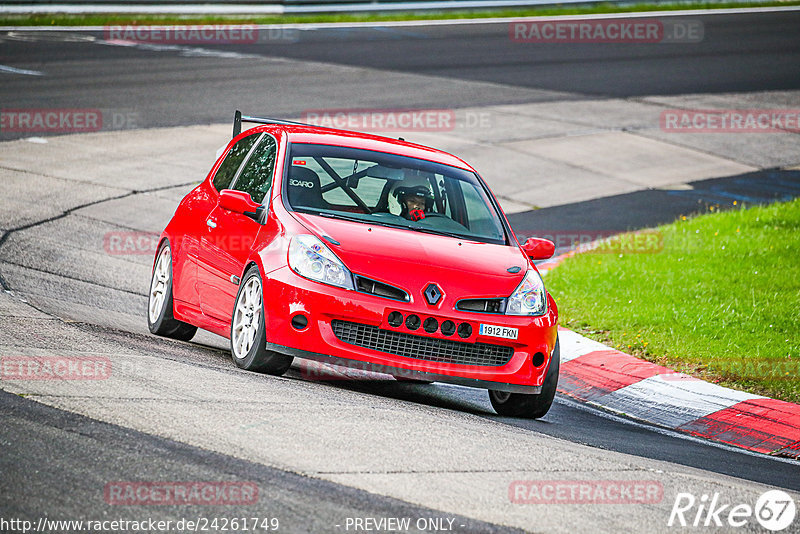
(362, 251)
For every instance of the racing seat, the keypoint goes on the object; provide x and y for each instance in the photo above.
(304, 189)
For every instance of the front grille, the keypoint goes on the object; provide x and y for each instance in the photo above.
(373, 287)
(420, 347)
(482, 305)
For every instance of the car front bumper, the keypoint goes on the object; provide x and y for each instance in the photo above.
(351, 328)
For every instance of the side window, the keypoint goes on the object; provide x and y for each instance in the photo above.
(229, 166)
(256, 176)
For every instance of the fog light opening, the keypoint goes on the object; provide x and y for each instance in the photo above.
(464, 330)
(299, 322)
(430, 325)
(395, 319)
(538, 359)
(448, 328)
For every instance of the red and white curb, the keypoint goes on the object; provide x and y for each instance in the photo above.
(601, 376)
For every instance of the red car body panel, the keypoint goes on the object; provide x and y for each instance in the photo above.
(208, 262)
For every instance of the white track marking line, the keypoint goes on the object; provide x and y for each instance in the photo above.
(185, 51)
(11, 70)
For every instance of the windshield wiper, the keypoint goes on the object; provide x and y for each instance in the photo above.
(427, 230)
(423, 229)
(337, 215)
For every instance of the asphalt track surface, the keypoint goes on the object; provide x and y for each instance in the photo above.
(737, 53)
(754, 52)
(88, 453)
(749, 52)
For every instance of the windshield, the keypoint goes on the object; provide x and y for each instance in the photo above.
(390, 190)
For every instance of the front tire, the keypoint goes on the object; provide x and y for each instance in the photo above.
(160, 318)
(248, 330)
(526, 405)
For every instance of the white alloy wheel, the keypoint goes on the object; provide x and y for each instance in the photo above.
(246, 318)
(159, 285)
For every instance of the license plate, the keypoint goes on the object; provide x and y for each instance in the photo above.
(498, 331)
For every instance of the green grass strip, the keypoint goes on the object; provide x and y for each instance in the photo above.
(720, 300)
(144, 19)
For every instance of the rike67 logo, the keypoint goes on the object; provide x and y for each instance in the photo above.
(774, 510)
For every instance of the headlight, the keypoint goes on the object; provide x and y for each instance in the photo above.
(310, 258)
(529, 298)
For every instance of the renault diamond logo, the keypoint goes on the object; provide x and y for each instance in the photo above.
(432, 294)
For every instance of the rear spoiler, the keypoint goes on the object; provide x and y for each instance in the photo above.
(238, 119)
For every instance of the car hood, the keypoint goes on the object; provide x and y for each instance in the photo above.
(411, 260)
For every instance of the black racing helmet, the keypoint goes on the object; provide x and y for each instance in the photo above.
(401, 192)
(415, 191)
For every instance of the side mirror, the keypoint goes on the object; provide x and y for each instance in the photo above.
(539, 249)
(239, 202)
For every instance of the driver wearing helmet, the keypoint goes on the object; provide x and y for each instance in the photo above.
(414, 201)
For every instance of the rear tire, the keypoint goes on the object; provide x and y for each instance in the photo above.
(248, 330)
(160, 318)
(526, 405)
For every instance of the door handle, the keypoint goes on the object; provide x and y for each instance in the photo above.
(211, 223)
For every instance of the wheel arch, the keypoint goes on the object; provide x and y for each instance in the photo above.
(248, 264)
(161, 240)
